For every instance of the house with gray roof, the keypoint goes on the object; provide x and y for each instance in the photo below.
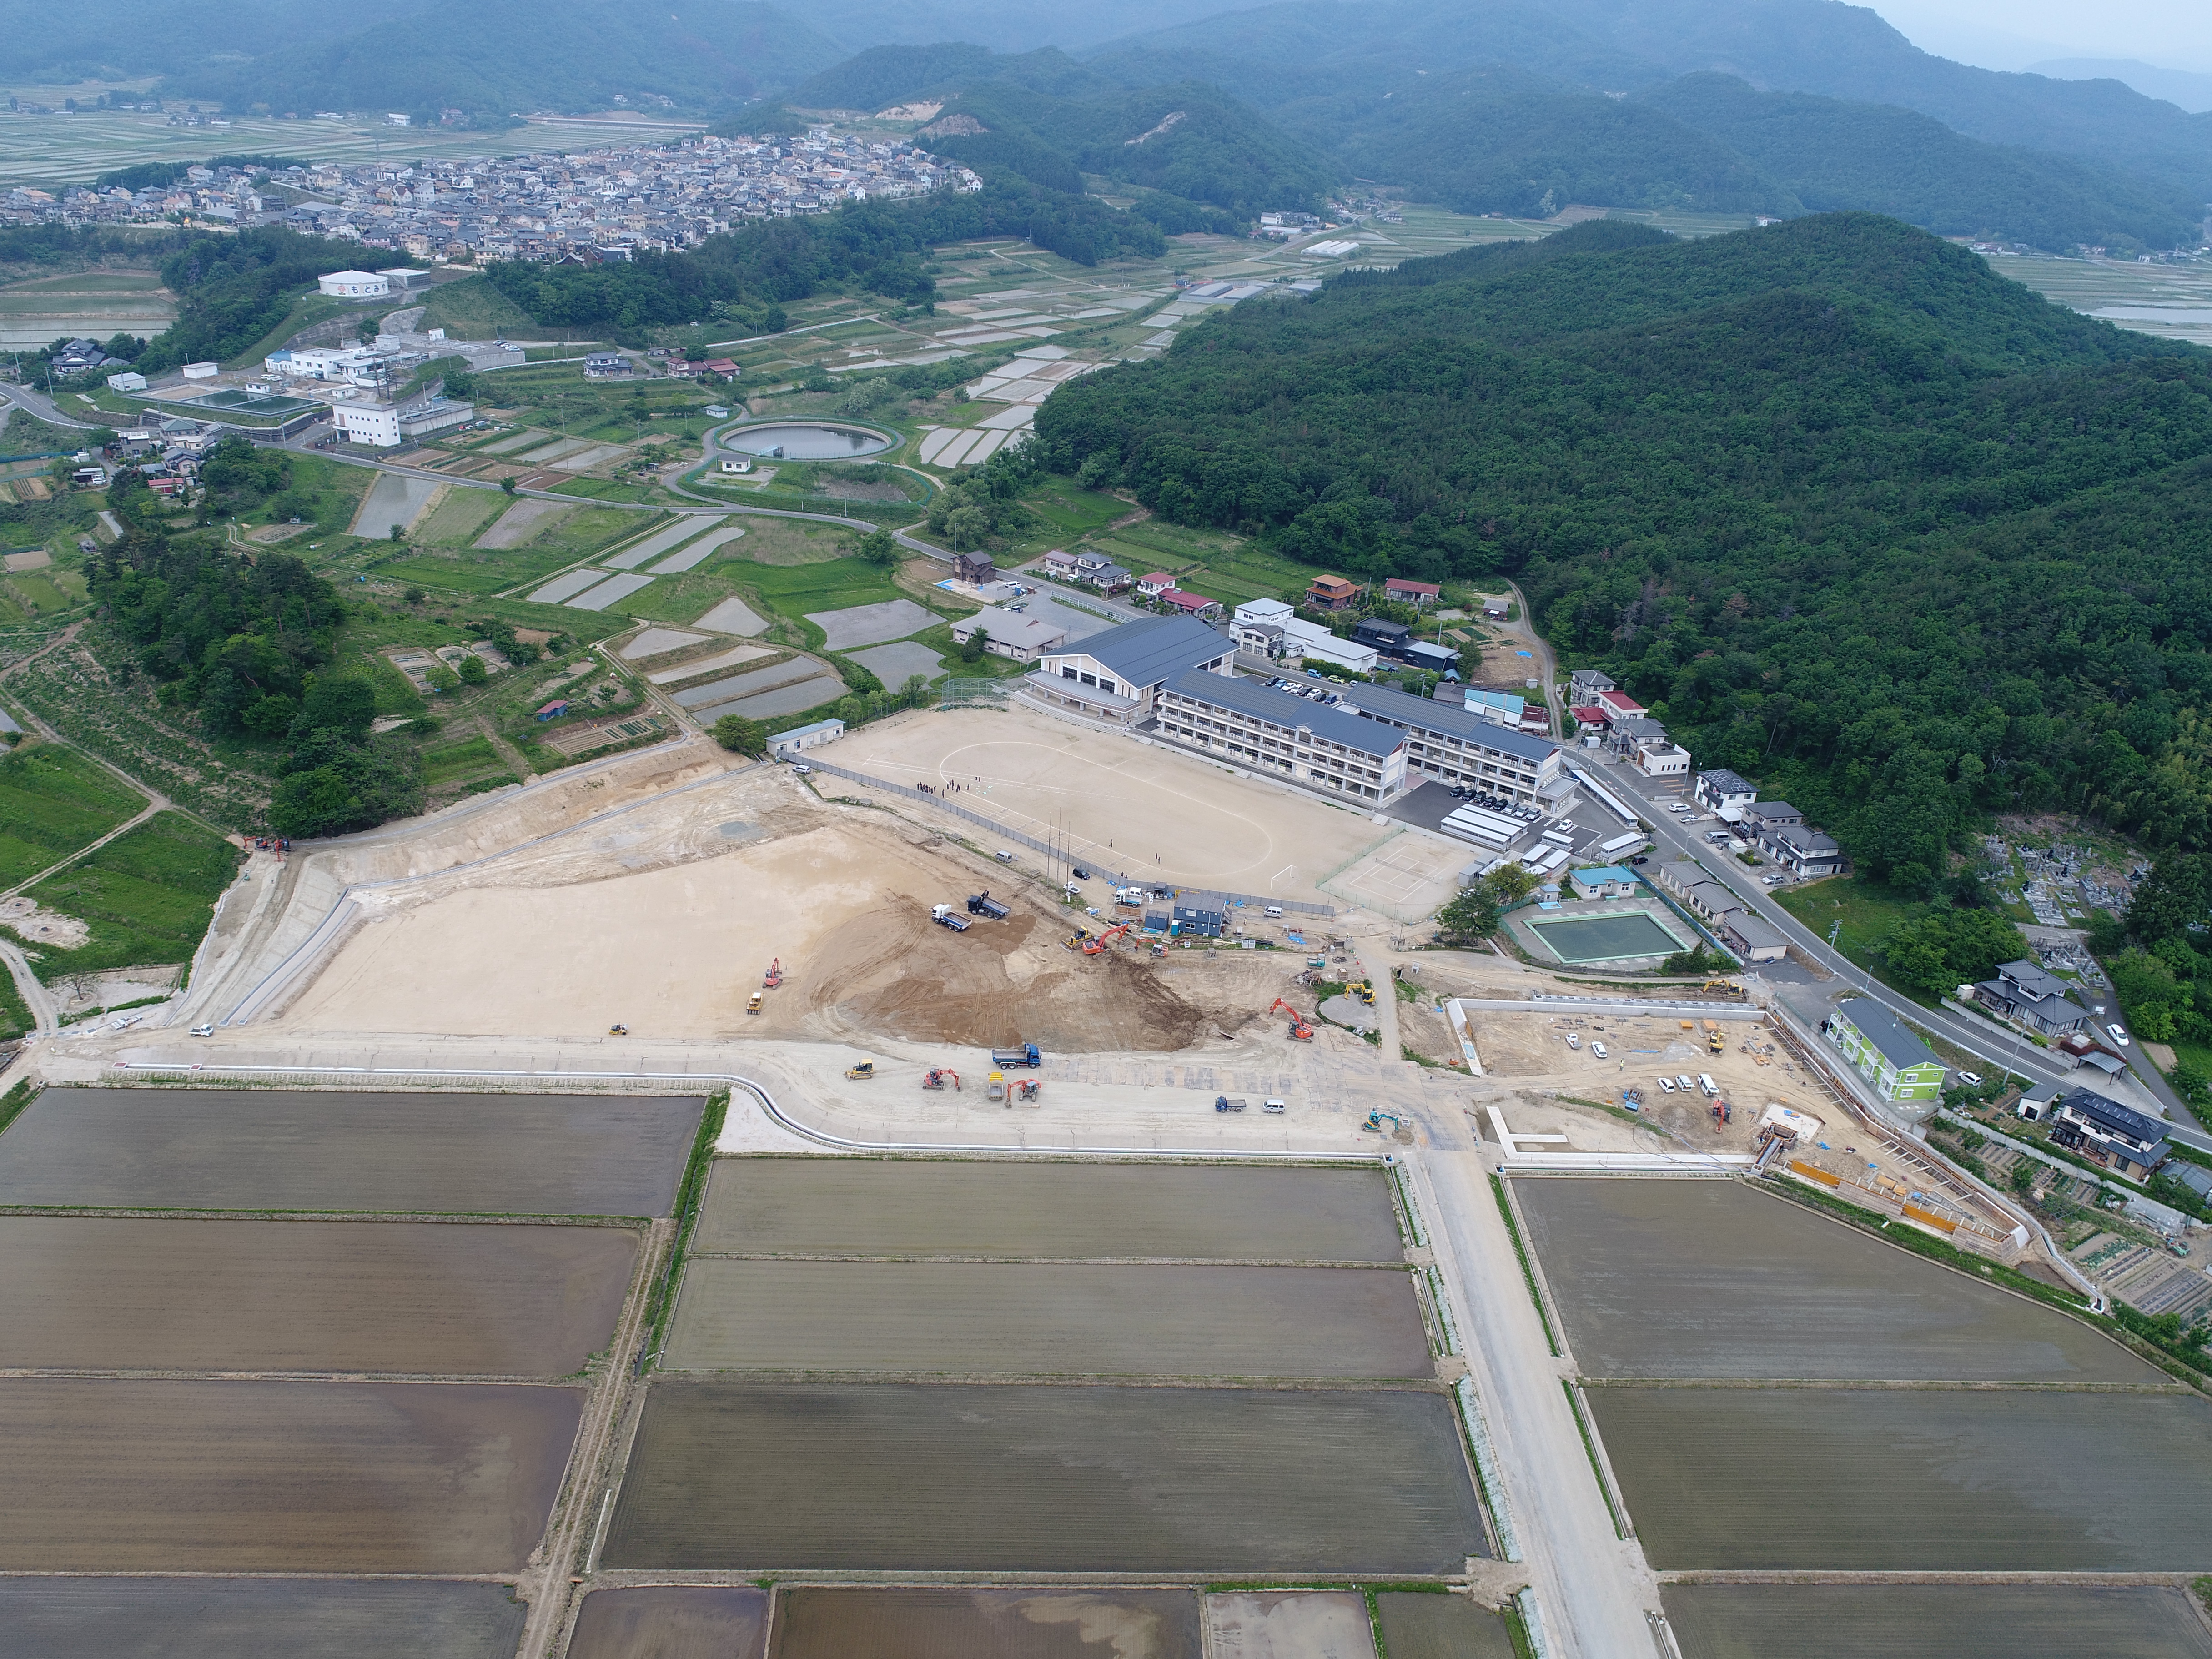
(2039, 1000)
(2124, 1140)
(1802, 849)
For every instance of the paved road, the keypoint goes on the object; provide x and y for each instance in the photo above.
(1975, 1036)
(38, 404)
(1596, 1591)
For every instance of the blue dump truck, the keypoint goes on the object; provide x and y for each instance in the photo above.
(983, 904)
(1022, 1053)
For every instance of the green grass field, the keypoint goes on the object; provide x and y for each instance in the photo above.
(462, 517)
(461, 763)
(1867, 911)
(148, 895)
(14, 1017)
(53, 801)
(472, 309)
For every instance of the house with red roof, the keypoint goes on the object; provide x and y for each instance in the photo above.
(1191, 605)
(1152, 587)
(1417, 594)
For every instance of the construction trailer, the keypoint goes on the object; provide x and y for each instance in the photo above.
(1192, 920)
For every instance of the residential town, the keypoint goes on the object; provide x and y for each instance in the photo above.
(541, 206)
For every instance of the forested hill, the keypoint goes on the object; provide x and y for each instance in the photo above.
(1856, 515)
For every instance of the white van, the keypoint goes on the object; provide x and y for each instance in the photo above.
(1665, 1085)
(1712, 1090)
(1273, 913)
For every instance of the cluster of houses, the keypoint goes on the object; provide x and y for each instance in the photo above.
(585, 205)
(1775, 828)
(1606, 717)
(1721, 910)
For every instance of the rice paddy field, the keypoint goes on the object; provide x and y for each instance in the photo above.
(257, 1149)
(306, 1376)
(987, 1624)
(1020, 1319)
(1044, 1211)
(738, 1477)
(68, 1618)
(1780, 1396)
(1913, 1479)
(97, 1293)
(1714, 1279)
(1931, 1621)
(191, 1475)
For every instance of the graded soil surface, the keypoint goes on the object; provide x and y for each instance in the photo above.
(677, 919)
(1929, 1621)
(1011, 1210)
(270, 1149)
(671, 1621)
(1007, 1478)
(1913, 1479)
(1046, 1319)
(1288, 1625)
(986, 1624)
(98, 1293)
(73, 1618)
(1417, 1627)
(1690, 1279)
(111, 1476)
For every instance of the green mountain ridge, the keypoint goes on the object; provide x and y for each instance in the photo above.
(495, 58)
(1854, 514)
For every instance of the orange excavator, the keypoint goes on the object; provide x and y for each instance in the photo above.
(1097, 946)
(1300, 1032)
(774, 977)
(938, 1076)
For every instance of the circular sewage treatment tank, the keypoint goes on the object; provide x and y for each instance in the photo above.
(806, 440)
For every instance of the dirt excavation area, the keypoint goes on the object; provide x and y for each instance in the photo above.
(662, 914)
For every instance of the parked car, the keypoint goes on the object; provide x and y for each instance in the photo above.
(1683, 1083)
(202, 1030)
(2118, 1036)
(1665, 1085)
(1972, 1080)
(1598, 1049)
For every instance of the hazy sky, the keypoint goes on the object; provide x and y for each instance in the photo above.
(2010, 35)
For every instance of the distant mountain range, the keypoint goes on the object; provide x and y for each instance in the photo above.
(1773, 106)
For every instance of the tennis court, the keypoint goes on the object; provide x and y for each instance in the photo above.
(1610, 938)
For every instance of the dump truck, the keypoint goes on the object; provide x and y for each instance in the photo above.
(983, 904)
(1022, 1053)
(945, 916)
(997, 1090)
(1224, 1103)
(1131, 896)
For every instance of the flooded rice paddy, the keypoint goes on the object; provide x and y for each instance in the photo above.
(101, 1293)
(1009, 1478)
(188, 1476)
(1441, 1627)
(1913, 1478)
(1931, 1621)
(987, 1624)
(71, 1618)
(1048, 1319)
(862, 1207)
(671, 1621)
(254, 1149)
(1711, 1279)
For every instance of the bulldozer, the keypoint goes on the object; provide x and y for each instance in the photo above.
(1300, 1032)
(617, 1030)
(938, 1076)
(866, 1068)
(1075, 940)
(774, 977)
(753, 1003)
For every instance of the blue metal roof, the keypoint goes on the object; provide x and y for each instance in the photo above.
(1146, 651)
(1289, 710)
(1429, 716)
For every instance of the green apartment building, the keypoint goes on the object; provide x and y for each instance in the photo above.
(1884, 1051)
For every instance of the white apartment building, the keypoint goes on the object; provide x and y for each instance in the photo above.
(1460, 749)
(1273, 631)
(1311, 743)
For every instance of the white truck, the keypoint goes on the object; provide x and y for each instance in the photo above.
(945, 916)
